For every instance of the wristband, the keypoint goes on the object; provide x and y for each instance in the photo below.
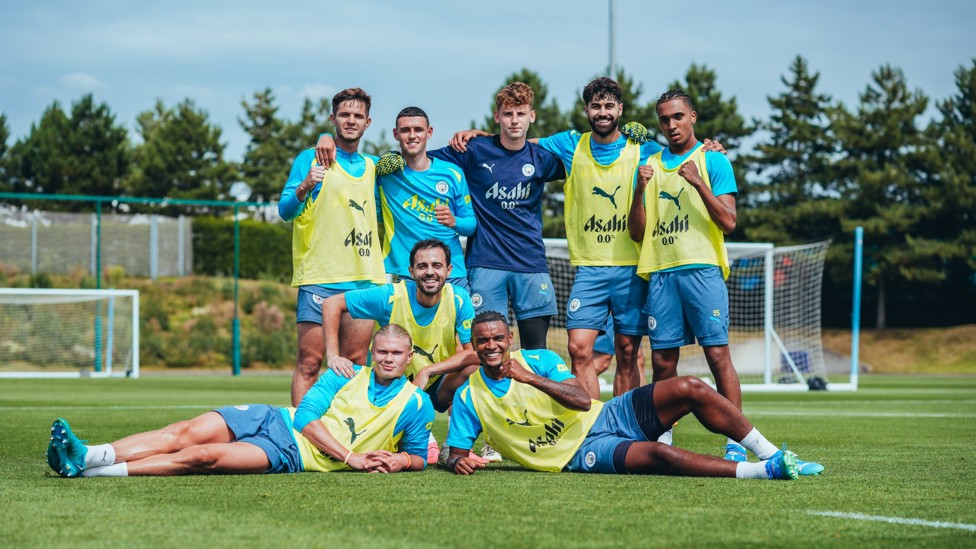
(452, 463)
(346, 461)
(409, 461)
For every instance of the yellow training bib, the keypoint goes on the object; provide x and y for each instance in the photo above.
(335, 238)
(597, 205)
(432, 343)
(527, 425)
(679, 230)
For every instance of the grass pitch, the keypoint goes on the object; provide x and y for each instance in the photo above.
(899, 458)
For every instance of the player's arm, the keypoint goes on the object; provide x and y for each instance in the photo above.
(721, 209)
(460, 140)
(464, 429)
(325, 150)
(332, 311)
(318, 435)
(568, 392)
(414, 425)
(313, 406)
(638, 216)
(454, 363)
(302, 178)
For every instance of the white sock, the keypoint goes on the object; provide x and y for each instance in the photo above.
(116, 470)
(731, 441)
(100, 455)
(745, 469)
(667, 437)
(757, 444)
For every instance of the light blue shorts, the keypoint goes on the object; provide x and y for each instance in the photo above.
(310, 298)
(531, 294)
(265, 427)
(686, 305)
(602, 292)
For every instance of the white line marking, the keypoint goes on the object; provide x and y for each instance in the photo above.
(749, 412)
(897, 520)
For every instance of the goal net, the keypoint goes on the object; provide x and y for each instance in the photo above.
(775, 313)
(69, 333)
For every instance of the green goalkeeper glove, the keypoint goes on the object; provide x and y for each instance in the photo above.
(635, 131)
(390, 162)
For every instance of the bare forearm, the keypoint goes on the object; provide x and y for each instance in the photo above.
(570, 396)
(638, 218)
(318, 435)
(721, 213)
(455, 363)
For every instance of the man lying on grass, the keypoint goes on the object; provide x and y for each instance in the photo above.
(376, 422)
(535, 413)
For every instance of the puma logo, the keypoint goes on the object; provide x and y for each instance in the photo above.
(487, 167)
(357, 206)
(423, 353)
(352, 429)
(524, 422)
(600, 192)
(664, 195)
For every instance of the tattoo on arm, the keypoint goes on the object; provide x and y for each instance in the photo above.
(570, 396)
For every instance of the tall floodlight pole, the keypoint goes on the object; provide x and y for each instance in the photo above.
(610, 61)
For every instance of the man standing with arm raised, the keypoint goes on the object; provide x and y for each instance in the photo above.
(335, 243)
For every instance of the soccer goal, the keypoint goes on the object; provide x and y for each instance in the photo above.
(69, 333)
(775, 313)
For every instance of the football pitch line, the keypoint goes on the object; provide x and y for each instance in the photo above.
(896, 520)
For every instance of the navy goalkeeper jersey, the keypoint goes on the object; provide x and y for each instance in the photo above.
(506, 188)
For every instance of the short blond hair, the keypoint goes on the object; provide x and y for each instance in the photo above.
(514, 95)
(395, 331)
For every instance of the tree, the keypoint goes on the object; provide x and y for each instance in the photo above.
(549, 119)
(6, 185)
(312, 122)
(84, 153)
(718, 118)
(267, 156)
(880, 175)
(792, 199)
(181, 155)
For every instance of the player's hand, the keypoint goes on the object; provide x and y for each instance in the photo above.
(467, 466)
(513, 369)
(325, 151)
(385, 462)
(644, 174)
(315, 176)
(421, 379)
(635, 131)
(460, 140)
(444, 216)
(357, 461)
(713, 146)
(341, 366)
(689, 171)
(390, 162)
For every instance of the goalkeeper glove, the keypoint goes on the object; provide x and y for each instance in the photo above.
(390, 162)
(635, 131)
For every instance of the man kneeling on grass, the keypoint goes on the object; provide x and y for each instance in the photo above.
(376, 422)
(535, 413)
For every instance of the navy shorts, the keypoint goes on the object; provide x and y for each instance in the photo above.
(265, 427)
(624, 420)
(686, 305)
(531, 294)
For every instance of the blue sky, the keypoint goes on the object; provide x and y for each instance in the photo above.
(449, 56)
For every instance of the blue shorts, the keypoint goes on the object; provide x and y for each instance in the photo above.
(265, 427)
(310, 298)
(686, 305)
(531, 294)
(604, 342)
(602, 292)
(623, 421)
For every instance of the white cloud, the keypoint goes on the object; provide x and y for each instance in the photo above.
(317, 91)
(80, 81)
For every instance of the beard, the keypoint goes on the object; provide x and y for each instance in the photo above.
(613, 127)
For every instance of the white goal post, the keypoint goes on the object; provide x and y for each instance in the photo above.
(68, 333)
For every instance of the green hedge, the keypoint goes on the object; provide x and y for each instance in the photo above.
(265, 248)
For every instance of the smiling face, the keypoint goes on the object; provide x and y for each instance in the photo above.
(351, 120)
(514, 120)
(604, 115)
(391, 354)
(492, 341)
(412, 133)
(430, 269)
(677, 121)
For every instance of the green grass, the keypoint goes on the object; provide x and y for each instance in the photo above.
(900, 447)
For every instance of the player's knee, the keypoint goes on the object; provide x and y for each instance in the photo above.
(199, 458)
(580, 351)
(308, 365)
(178, 433)
(691, 387)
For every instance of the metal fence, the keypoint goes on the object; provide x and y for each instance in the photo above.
(56, 242)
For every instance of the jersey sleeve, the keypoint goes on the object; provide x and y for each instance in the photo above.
(720, 173)
(464, 218)
(553, 366)
(288, 205)
(563, 145)
(415, 423)
(464, 314)
(448, 154)
(465, 425)
(552, 167)
(317, 400)
(372, 303)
